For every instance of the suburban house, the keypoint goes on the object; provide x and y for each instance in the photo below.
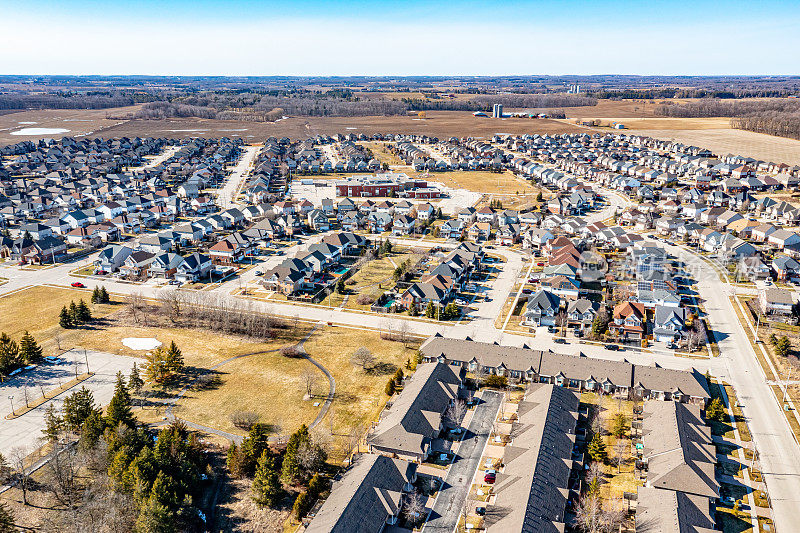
(541, 309)
(775, 301)
(629, 321)
(368, 497)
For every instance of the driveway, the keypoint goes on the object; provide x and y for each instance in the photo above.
(449, 502)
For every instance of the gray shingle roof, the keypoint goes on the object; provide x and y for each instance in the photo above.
(367, 494)
(678, 448)
(532, 489)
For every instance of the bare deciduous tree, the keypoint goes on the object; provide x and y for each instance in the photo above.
(455, 412)
(413, 506)
(136, 306)
(17, 459)
(592, 517)
(171, 303)
(310, 379)
(363, 358)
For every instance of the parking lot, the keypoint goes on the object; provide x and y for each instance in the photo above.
(27, 429)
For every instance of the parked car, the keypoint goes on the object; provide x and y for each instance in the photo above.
(259, 273)
(480, 511)
(560, 340)
(78, 284)
(612, 347)
(490, 476)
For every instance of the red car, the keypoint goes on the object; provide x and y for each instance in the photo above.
(490, 477)
(78, 284)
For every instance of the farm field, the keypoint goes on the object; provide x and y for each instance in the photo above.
(731, 141)
(79, 122)
(437, 123)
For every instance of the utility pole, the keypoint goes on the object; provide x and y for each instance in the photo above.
(11, 399)
(86, 356)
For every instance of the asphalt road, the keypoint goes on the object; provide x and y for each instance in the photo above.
(449, 502)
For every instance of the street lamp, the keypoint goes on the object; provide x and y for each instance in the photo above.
(11, 399)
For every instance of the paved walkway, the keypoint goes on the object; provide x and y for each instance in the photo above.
(449, 502)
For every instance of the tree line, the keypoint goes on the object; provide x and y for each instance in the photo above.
(779, 117)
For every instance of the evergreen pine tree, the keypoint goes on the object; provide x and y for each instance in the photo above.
(316, 486)
(267, 487)
(301, 506)
(174, 359)
(96, 295)
(715, 411)
(390, 388)
(53, 424)
(234, 461)
(291, 469)
(6, 520)
(84, 313)
(77, 408)
(156, 516)
(65, 319)
(29, 350)
(9, 354)
(119, 409)
(597, 449)
(104, 297)
(92, 429)
(135, 382)
(73, 313)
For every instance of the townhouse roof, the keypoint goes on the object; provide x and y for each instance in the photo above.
(415, 415)
(678, 447)
(532, 489)
(368, 493)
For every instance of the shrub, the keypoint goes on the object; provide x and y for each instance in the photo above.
(365, 299)
(244, 419)
(291, 351)
(496, 381)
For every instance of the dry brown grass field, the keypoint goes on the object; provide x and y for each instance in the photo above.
(80, 122)
(731, 141)
(482, 181)
(437, 123)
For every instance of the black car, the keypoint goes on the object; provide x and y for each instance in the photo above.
(612, 347)
(480, 511)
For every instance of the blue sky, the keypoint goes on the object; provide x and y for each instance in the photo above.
(358, 37)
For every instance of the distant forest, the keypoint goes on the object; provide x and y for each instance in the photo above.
(780, 117)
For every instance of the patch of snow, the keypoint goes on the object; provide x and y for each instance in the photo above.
(141, 343)
(352, 128)
(39, 131)
(236, 129)
(184, 131)
(27, 122)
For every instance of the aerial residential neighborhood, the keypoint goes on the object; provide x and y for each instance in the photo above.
(348, 267)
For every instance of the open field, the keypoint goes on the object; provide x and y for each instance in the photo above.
(80, 122)
(359, 394)
(438, 123)
(482, 181)
(36, 310)
(731, 141)
(659, 123)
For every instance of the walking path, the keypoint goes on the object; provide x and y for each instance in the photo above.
(238, 438)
